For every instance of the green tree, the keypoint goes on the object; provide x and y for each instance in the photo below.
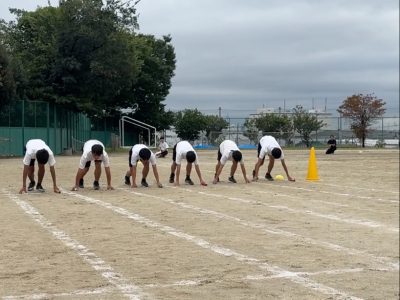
(214, 126)
(189, 123)
(96, 62)
(362, 110)
(157, 66)
(251, 131)
(305, 123)
(278, 125)
(87, 56)
(7, 82)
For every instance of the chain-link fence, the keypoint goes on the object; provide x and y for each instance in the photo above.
(384, 132)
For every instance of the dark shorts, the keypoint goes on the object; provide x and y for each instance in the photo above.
(87, 165)
(259, 150)
(129, 159)
(174, 153)
(219, 155)
(32, 163)
(163, 153)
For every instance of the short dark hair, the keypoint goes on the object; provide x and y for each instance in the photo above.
(237, 155)
(144, 154)
(161, 138)
(276, 153)
(97, 149)
(42, 156)
(190, 156)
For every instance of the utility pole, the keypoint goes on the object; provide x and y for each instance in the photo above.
(219, 111)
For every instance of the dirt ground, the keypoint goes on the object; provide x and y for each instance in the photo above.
(336, 238)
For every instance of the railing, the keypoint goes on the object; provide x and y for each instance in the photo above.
(137, 123)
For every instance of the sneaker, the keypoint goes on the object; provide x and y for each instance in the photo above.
(81, 183)
(189, 181)
(172, 178)
(31, 186)
(144, 183)
(127, 180)
(39, 188)
(269, 177)
(96, 185)
(231, 179)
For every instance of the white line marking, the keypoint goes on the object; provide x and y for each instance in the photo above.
(98, 291)
(306, 282)
(366, 223)
(327, 202)
(358, 188)
(381, 260)
(339, 194)
(128, 290)
(307, 274)
(181, 283)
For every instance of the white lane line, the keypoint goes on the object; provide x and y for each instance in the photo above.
(275, 270)
(327, 203)
(307, 274)
(338, 194)
(128, 290)
(98, 291)
(101, 291)
(390, 265)
(358, 188)
(182, 283)
(366, 223)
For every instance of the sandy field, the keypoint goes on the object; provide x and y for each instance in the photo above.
(336, 238)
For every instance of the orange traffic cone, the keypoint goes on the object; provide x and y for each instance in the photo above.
(312, 166)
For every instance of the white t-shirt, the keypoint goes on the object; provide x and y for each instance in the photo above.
(32, 146)
(135, 154)
(182, 148)
(163, 146)
(268, 143)
(226, 148)
(88, 156)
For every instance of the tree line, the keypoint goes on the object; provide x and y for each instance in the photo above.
(88, 57)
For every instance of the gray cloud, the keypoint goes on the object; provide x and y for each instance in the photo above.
(241, 55)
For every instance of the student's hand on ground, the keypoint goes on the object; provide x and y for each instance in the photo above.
(109, 187)
(215, 181)
(291, 178)
(133, 185)
(74, 189)
(23, 190)
(56, 190)
(159, 185)
(203, 183)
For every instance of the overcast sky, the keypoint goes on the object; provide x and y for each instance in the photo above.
(242, 55)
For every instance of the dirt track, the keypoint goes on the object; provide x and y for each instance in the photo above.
(336, 238)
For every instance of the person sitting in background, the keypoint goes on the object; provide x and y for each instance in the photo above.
(163, 146)
(332, 145)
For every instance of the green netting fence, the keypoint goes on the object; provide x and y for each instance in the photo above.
(62, 129)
